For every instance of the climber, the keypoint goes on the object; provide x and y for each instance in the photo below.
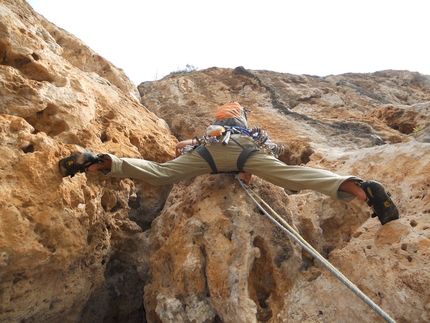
(229, 146)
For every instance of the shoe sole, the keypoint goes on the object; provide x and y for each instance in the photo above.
(382, 204)
(77, 163)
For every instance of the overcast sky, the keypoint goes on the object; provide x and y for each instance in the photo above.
(148, 39)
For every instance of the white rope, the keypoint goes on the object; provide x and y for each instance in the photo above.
(305, 245)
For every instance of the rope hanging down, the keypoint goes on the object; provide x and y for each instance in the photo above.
(284, 226)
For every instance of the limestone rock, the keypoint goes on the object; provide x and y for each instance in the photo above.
(97, 249)
(59, 236)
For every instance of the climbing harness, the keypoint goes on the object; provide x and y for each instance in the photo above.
(213, 134)
(206, 155)
(241, 160)
(284, 226)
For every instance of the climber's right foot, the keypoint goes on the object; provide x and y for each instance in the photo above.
(380, 201)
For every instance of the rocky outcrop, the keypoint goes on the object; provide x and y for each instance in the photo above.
(97, 249)
(61, 239)
(345, 124)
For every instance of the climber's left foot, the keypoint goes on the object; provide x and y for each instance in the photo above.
(77, 163)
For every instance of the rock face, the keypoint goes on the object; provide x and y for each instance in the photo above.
(93, 249)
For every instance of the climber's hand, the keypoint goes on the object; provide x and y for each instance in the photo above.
(246, 178)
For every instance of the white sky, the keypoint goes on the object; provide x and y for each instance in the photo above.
(148, 39)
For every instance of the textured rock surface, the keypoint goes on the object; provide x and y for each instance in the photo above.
(61, 239)
(92, 249)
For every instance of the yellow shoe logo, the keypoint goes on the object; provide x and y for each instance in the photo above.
(387, 204)
(70, 162)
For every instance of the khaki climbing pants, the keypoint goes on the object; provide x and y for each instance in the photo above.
(259, 163)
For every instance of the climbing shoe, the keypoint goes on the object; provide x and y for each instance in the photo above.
(380, 201)
(78, 163)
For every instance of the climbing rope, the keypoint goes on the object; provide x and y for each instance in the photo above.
(284, 226)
